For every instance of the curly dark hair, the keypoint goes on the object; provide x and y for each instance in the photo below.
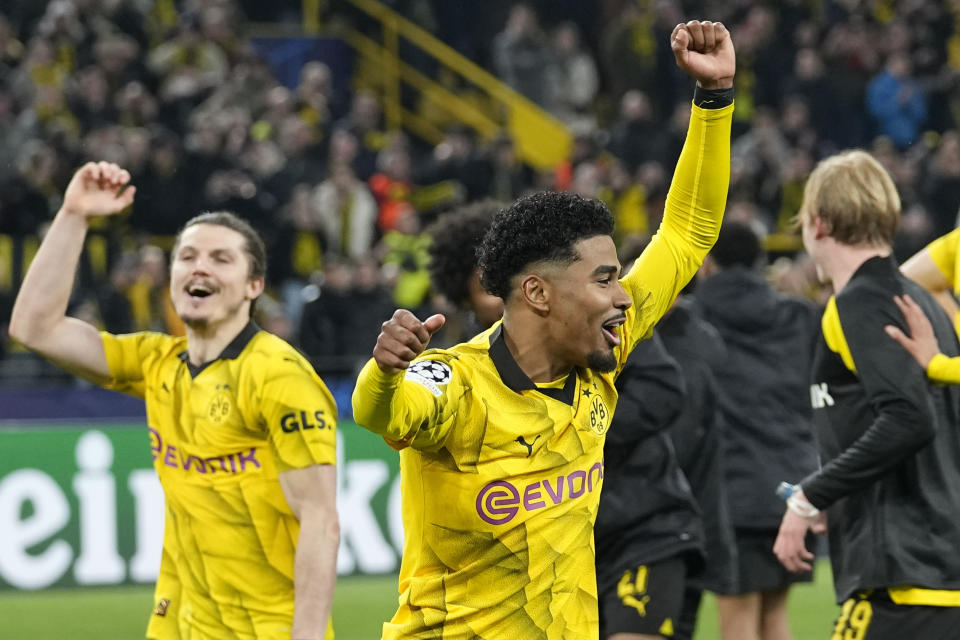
(455, 237)
(541, 226)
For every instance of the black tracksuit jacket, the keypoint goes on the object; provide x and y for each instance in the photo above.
(889, 442)
(763, 384)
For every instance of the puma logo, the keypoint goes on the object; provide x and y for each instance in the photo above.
(528, 446)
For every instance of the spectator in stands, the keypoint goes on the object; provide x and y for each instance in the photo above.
(897, 102)
(456, 158)
(510, 177)
(149, 294)
(188, 65)
(759, 160)
(364, 123)
(11, 48)
(24, 195)
(766, 436)
(347, 214)
(304, 157)
(135, 105)
(940, 186)
(317, 103)
(632, 54)
(627, 201)
(89, 99)
(573, 77)
(115, 306)
(164, 180)
(337, 327)
(635, 134)
(404, 255)
(521, 55)
(392, 187)
(809, 81)
(121, 59)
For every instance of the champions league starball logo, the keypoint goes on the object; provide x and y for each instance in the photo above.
(430, 374)
(433, 370)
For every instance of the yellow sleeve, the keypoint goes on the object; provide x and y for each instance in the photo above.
(943, 368)
(126, 356)
(299, 412)
(691, 221)
(943, 252)
(415, 408)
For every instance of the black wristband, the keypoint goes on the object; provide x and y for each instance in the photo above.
(712, 98)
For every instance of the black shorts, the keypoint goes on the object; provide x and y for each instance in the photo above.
(873, 616)
(758, 568)
(646, 600)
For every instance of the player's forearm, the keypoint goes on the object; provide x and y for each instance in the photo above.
(315, 573)
(692, 216)
(698, 192)
(380, 405)
(45, 291)
(944, 369)
(893, 437)
(932, 267)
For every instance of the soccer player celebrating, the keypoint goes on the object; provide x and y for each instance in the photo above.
(242, 429)
(501, 438)
(890, 475)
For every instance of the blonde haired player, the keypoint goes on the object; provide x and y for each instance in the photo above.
(889, 483)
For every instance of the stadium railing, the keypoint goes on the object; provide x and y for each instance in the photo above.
(542, 141)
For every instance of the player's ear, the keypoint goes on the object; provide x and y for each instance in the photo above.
(821, 228)
(535, 292)
(254, 288)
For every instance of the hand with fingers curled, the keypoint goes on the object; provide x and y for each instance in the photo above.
(705, 51)
(403, 337)
(98, 189)
(790, 546)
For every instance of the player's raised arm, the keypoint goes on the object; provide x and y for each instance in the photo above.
(39, 319)
(698, 192)
(379, 401)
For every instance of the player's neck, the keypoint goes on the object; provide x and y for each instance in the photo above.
(529, 346)
(207, 343)
(846, 259)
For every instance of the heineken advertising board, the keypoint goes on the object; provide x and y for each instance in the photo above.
(81, 505)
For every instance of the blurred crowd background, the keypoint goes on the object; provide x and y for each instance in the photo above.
(180, 93)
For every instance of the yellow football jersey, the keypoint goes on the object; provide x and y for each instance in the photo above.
(501, 478)
(220, 434)
(943, 252)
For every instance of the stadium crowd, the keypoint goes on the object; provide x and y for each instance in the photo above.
(174, 91)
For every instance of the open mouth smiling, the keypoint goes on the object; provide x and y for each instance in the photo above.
(609, 330)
